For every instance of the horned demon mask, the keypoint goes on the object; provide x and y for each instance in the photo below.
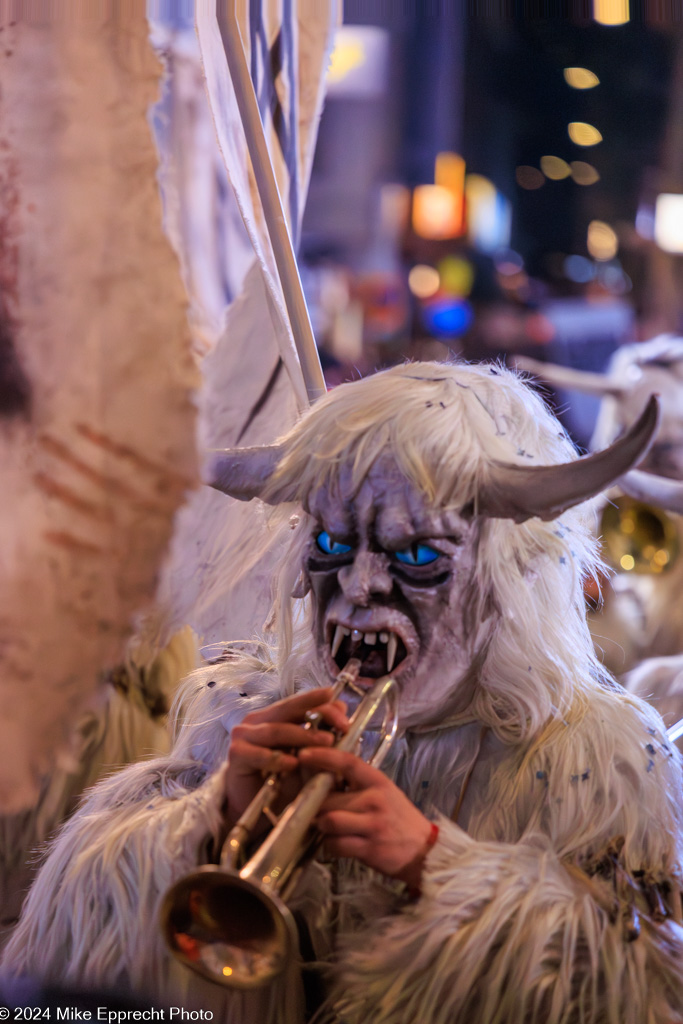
(399, 474)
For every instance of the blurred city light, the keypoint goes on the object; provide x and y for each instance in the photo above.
(347, 55)
(602, 241)
(583, 134)
(423, 281)
(515, 285)
(436, 212)
(645, 221)
(613, 278)
(394, 208)
(447, 318)
(583, 173)
(580, 78)
(611, 12)
(579, 269)
(489, 214)
(669, 222)
(508, 262)
(457, 275)
(555, 168)
(358, 65)
(539, 329)
(529, 177)
(449, 173)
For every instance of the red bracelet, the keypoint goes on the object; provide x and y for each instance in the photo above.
(433, 836)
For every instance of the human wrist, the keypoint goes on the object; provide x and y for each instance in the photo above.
(412, 876)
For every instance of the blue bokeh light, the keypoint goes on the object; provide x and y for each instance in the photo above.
(447, 318)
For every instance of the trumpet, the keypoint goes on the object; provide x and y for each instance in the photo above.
(231, 924)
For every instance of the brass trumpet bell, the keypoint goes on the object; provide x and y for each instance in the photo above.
(637, 537)
(227, 928)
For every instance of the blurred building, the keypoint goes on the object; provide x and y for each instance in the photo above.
(566, 131)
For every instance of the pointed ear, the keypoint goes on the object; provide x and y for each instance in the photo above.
(521, 492)
(244, 473)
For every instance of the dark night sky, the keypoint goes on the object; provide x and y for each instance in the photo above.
(516, 89)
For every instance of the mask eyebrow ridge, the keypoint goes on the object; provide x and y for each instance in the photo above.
(339, 538)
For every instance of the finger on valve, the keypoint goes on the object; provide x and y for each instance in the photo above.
(266, 743)
(296, 708)
(356, 772)
(282, 735)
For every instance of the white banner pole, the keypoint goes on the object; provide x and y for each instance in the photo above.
(271, 201)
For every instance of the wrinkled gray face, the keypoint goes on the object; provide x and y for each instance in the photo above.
(393, 585)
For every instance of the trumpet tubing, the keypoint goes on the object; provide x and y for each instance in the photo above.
(232, 925)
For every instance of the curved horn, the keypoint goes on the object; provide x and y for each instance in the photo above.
(243, 473)
(520, 492)
(567, 377)
(654, 490)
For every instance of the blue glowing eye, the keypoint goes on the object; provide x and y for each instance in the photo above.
(329, 546)
(417, 554)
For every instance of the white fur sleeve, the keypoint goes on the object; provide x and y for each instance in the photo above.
(508, 933)
(91, 915)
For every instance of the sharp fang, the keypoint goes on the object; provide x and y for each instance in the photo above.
(391, 651)
(384, 638)
(371, 638)
(339, 635)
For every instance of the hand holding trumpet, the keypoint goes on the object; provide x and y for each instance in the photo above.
(268, 740)
(234, 914)
(373, 820)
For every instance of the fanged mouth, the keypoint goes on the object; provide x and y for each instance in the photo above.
(379, 652)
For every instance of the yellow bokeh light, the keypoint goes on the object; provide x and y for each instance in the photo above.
(583, 173)
(580, 78)
(227, 971)
(436, 213)
(457, 276)
(449, 173)
(583, 134)
(660, 557)
(627, 562)
(602, 241)
(479, 189)
(423, 281)
(611, 12)
(347, 55)
(555, 168)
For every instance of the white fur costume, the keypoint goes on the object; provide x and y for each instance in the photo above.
(130, 724)
(531, 914)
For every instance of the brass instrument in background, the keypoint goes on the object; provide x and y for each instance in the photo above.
(232, 925)
(637, 537)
